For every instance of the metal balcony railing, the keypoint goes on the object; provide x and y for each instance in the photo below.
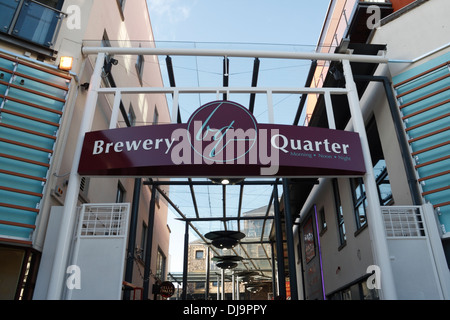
(403, 221)
(30, 20)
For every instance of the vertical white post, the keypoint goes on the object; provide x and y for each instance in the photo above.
(270, 106)
(222, 284)
(375, 220)
(55, 288)
(329, 109)
(218, 287)
(233, 287)
(175, 106)
(115, 110)
(237, 288)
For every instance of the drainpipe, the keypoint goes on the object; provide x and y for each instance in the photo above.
(404, 146)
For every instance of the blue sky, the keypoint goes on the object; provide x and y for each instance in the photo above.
(292, 25)
(284, 25)
(252, 21)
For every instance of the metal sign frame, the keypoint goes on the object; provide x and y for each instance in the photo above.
(376, 228)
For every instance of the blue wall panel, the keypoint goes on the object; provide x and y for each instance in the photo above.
(423, 94)
(31, 104)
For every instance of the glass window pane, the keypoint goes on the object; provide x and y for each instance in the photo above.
(7, 10)
(36, 23)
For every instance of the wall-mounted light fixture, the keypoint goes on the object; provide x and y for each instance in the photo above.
(65, 63)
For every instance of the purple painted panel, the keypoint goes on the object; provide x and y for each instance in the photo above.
(221, 139)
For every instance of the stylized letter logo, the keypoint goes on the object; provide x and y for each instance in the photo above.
(222, 131)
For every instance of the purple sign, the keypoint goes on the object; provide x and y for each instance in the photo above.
(221, 139)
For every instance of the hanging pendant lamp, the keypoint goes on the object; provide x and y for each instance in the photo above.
(227, 262)
(226, 181)
(225, 239)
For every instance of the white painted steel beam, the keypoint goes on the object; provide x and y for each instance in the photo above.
(376, 223)
(56, 283)
(219, 90)
(115, 110)
(236, 53)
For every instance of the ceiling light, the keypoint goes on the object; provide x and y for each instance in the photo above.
(225, 239)
(226, 181)
(227, 262)
(254, 289)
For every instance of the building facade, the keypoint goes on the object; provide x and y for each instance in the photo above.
(42, 106)
(404, 107)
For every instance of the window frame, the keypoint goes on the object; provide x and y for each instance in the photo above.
(143, 248)
(342, 236)
(140, 61)
(121, 7)
(161, 262)
(120, 192)
(197, 256)
(359, 201)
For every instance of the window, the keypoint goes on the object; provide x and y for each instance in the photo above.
(140, 67)
(143, 248)
(199, 254)
(383, 184)
(161, 265)
(84, 188)
(121, 4)
(200, 285)
(359, 202)
(131, 116)
(107, 64)
(120, 195)
(35, 21)
(339, 214)
(381, 178)
(155, 116)
(379, 168)
(322, 221)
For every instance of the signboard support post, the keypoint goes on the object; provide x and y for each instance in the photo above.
(208, 266)
(175, 106)
(279, 244)
(115, 110)
(185, 261)
(329, 108)
(290, 240)
(270, 106)
(55, 288)
(149, 244)
(375, 224)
